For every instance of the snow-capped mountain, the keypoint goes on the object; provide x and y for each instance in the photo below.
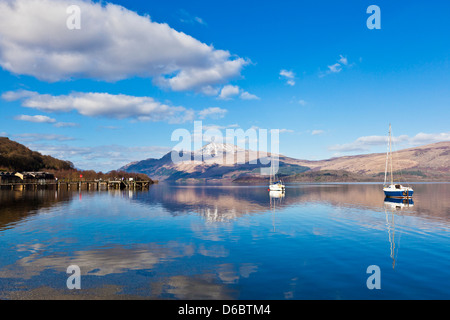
(212, 161)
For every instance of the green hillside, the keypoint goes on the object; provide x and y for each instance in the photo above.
(16, 157)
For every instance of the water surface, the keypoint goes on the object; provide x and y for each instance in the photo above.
(225, 242)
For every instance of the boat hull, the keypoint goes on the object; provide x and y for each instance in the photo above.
(398, 193)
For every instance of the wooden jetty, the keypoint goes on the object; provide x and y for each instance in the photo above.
(78, 185)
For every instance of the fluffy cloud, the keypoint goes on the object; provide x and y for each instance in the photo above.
(229, 91)
(343, 60)
(248, 96)
(288, 76)
(336, 67)
(43, 119)
(66, 124)
(317, 132)
(37, 118)
(425, 138)
(33, 137)
(113, 43)
(118, 106)
(213, 112)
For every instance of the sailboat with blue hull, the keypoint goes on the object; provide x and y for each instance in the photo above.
(394, 190)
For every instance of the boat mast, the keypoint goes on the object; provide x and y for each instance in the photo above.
(390, 152)
(271, 168)
(386, 166)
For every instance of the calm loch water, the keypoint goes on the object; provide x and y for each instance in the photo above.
(225, 242)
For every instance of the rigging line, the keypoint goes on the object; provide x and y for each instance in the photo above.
(400, 172)
(386, 167)
(389, 230)
(399, 238)
(393, 236)
(390, 153)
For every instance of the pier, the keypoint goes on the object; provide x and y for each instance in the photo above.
(77, 185)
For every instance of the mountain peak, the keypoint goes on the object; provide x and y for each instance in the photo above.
(214, 148)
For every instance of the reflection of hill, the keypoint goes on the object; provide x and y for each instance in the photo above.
(222, 203)
(429, 199)
(17, 205)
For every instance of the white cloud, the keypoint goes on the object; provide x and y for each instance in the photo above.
(36, 119)
(104, 104)
(33, 137)
(66, 124)
(425, 138)
(100, 158)
(335, 68)
(45, 119)
(17, 95)
(213, 112)
(110, 127)
(367, 142)
(317, 132)
(289, 76)
(228, 92)
(218, 127)
(364, 143)
(209, 90)
(302, 102)
(113, 43)
(343, 60)
(200, 20)
(248, 96)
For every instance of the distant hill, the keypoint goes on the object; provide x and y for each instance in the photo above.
(16, 157)
(432, 158)
(425, 163)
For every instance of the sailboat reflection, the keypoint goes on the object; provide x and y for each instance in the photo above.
(398, 203)
(276, 194)
(276, 197)
(392, 205)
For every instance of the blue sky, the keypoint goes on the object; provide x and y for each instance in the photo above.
(114, 90)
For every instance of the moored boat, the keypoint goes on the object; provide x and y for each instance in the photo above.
(275, 186)
(394, 190)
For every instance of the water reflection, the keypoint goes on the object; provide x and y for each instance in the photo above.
(276, 199)
(398, 203)
(222, 203)
(226, 203)
(18, 205)
(213, 242)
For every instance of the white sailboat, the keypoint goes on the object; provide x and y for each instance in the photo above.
(393, 190)
(274, 184)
